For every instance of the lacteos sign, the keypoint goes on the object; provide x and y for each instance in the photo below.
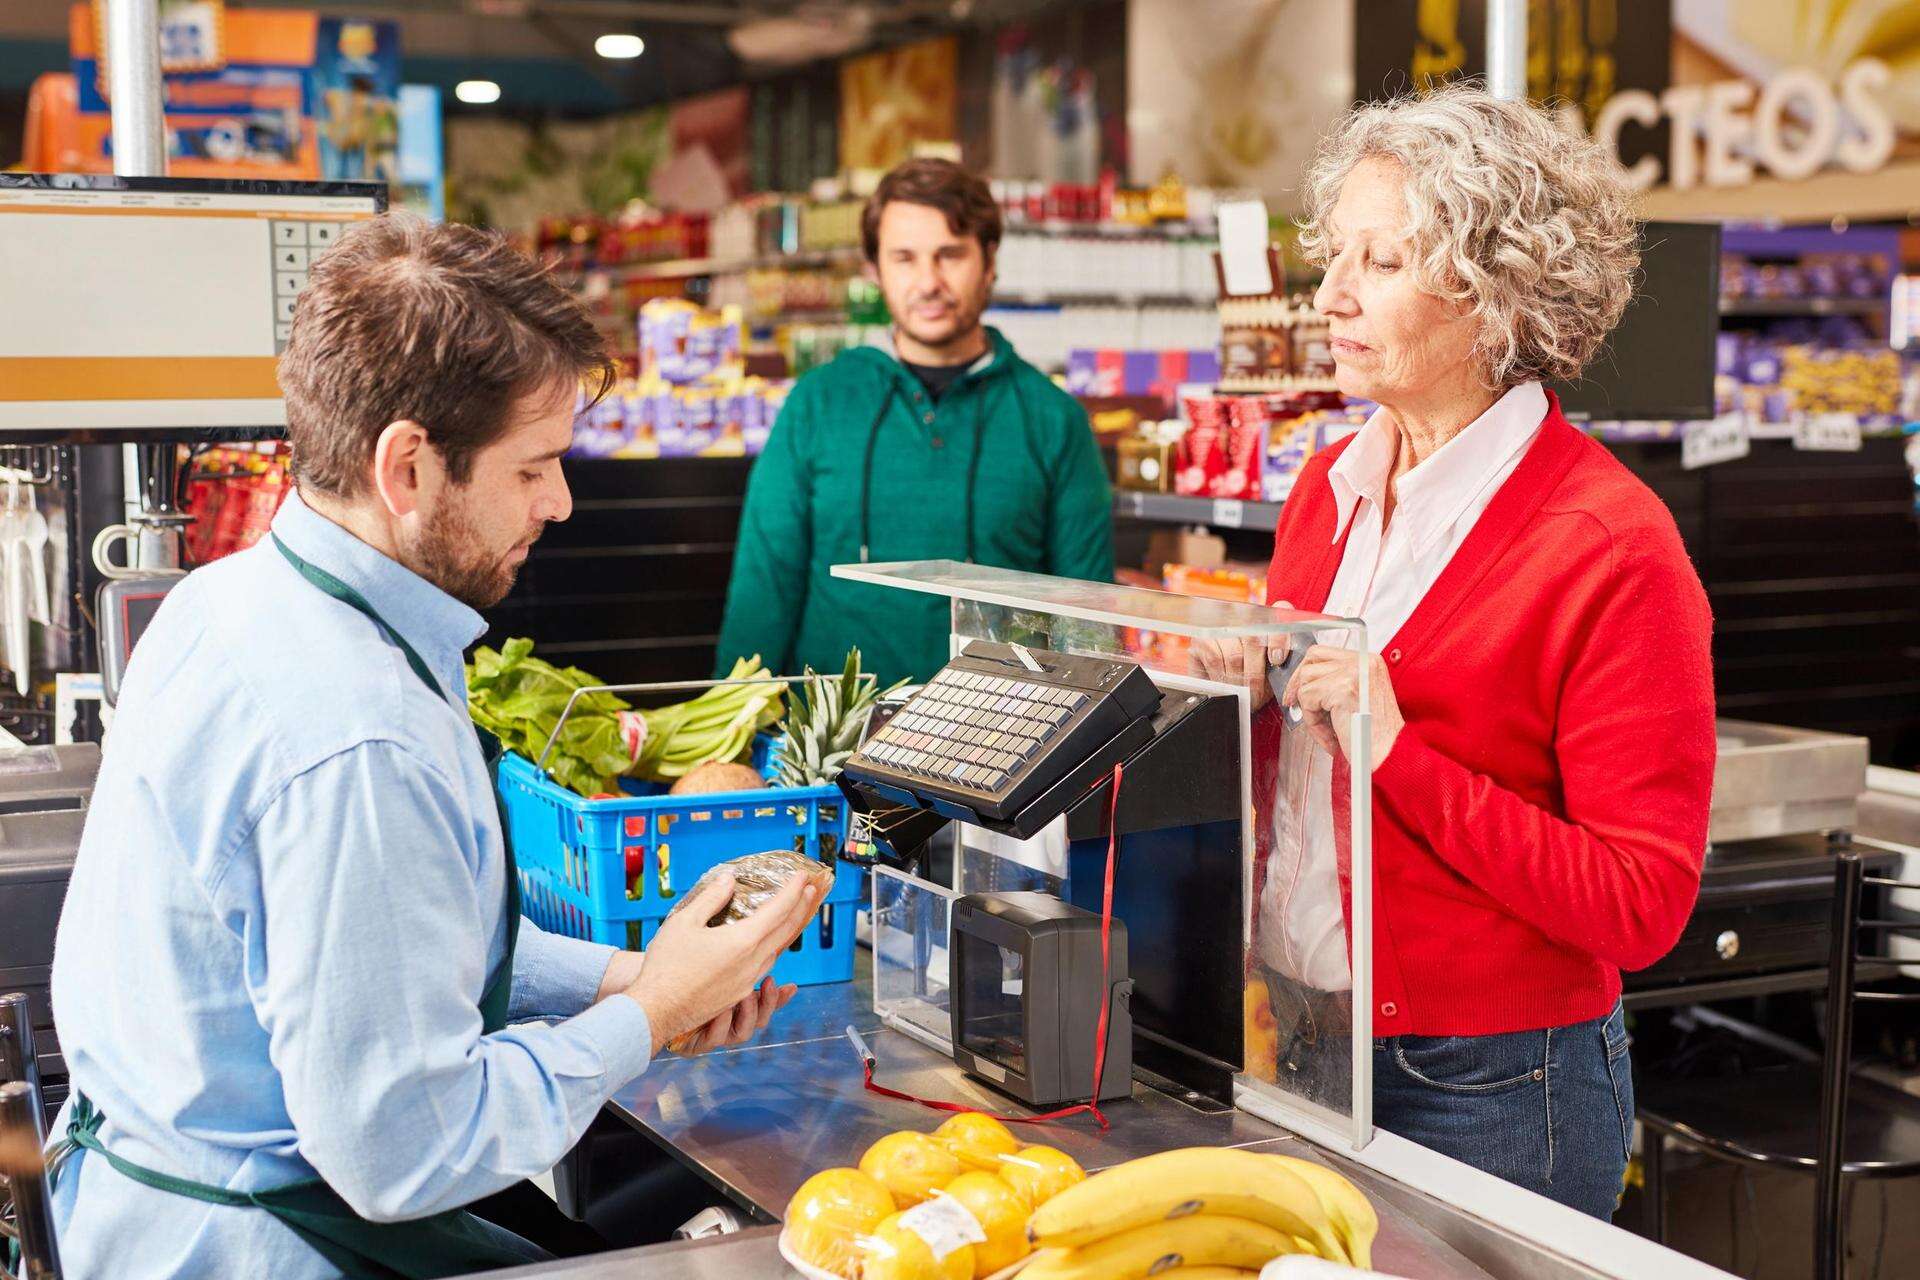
(1727, 133)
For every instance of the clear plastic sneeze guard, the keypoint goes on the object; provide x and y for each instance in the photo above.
(1300, 999)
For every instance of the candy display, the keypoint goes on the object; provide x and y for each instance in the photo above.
(1250, 447)
(1772, 381)
(691, 396)
(1270, 343)
(1844, 274)
(1109, 371)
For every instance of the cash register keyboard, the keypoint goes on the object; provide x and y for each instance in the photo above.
(992, 733)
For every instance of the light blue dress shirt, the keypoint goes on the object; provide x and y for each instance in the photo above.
(288, 899)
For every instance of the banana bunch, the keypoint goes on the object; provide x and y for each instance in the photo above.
(1204, 1207)
(823, 726)
(717, 725)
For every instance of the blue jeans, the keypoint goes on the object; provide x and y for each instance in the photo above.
(1550, 1110)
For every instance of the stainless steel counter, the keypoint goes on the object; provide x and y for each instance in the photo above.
(746, 1256)
(757, 1122)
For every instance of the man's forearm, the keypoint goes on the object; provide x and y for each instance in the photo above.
(623, 970)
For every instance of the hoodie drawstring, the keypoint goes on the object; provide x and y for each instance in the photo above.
(973, 466)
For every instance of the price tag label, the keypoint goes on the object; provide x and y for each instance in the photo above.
(1132, 504)
(1828, 433)
(1721, 440)
(1229, 513)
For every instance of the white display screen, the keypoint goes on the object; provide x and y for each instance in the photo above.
(155, 307)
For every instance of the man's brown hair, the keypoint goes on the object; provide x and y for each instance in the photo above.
(937, 184)
(443, 325)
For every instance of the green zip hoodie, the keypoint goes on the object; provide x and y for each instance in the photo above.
(862, 435)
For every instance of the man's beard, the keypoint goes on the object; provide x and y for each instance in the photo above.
(448, 554)
(965, 322)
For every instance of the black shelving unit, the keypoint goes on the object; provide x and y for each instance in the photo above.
(633, 586)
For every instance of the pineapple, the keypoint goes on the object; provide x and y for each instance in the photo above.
(824, 723)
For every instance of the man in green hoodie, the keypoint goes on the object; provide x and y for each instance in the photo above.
(951, 447)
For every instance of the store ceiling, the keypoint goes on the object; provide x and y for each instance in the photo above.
(541, 51)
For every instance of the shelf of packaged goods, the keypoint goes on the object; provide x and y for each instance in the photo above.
(1803, 306)
(1109, 231)
(1220, 513)
(1067, 299)
(687, 268)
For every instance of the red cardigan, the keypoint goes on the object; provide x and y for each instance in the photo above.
(1542, 818)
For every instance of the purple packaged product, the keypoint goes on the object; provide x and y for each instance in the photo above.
(699, 420)
(1203, 365)
(1727, 349)
(1762, 367)
(668, 424)
(1083, 368)
(1139, 370)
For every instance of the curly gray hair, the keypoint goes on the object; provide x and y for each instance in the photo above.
(1507, 211)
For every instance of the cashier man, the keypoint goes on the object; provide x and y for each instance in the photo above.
(292, 981)
(948, 447)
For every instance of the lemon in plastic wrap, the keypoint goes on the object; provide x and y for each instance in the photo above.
(1002, 1216)
(897, 1250)
(829, 1215)
(979, 1140)
(1038, 1174)
(911, 1166)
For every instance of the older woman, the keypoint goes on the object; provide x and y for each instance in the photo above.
(1539, 676)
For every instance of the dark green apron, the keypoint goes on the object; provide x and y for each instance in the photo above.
(447, 1244)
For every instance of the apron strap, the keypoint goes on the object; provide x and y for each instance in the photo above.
(346, 595)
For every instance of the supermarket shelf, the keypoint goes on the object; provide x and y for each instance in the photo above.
(686, 268)
(1803, 307)
(1104, 231)
(1221, 513)
(1041, 299)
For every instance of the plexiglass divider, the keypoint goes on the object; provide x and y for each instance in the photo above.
(1303, 837)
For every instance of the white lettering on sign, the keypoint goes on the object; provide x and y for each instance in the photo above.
(1724, 134)
(1828, 433)
(1721, 440)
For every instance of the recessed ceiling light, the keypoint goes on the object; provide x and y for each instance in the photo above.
(619, 46)
(477, 92)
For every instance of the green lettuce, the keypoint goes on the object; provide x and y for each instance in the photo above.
(520, 698)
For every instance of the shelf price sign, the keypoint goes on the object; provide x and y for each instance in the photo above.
(1721, 440)
(1827, 433)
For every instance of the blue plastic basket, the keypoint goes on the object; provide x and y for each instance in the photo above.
(610, 870)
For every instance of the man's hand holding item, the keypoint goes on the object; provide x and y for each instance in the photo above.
(700, 980)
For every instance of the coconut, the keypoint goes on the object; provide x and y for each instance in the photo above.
(718, 775)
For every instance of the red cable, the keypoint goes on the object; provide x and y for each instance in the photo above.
(1091, 1108)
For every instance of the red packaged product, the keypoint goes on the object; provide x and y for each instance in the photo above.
(1201, 459)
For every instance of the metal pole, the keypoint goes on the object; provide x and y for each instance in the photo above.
(137, 98)
(22, 1134)
(1507, 48)
(136, 95)
(1836, 1068)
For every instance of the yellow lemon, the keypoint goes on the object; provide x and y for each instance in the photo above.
(829, 1214)
(978, 1140)
(1002, 1215)
(1038, 1174)
(895, 1251)
(911, 1166)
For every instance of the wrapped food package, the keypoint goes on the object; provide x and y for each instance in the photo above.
(757, 878)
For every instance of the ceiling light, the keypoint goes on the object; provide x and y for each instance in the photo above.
(477, 92)
(619, 46)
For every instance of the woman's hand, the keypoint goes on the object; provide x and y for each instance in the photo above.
(1326, 689)
(1241, 662)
